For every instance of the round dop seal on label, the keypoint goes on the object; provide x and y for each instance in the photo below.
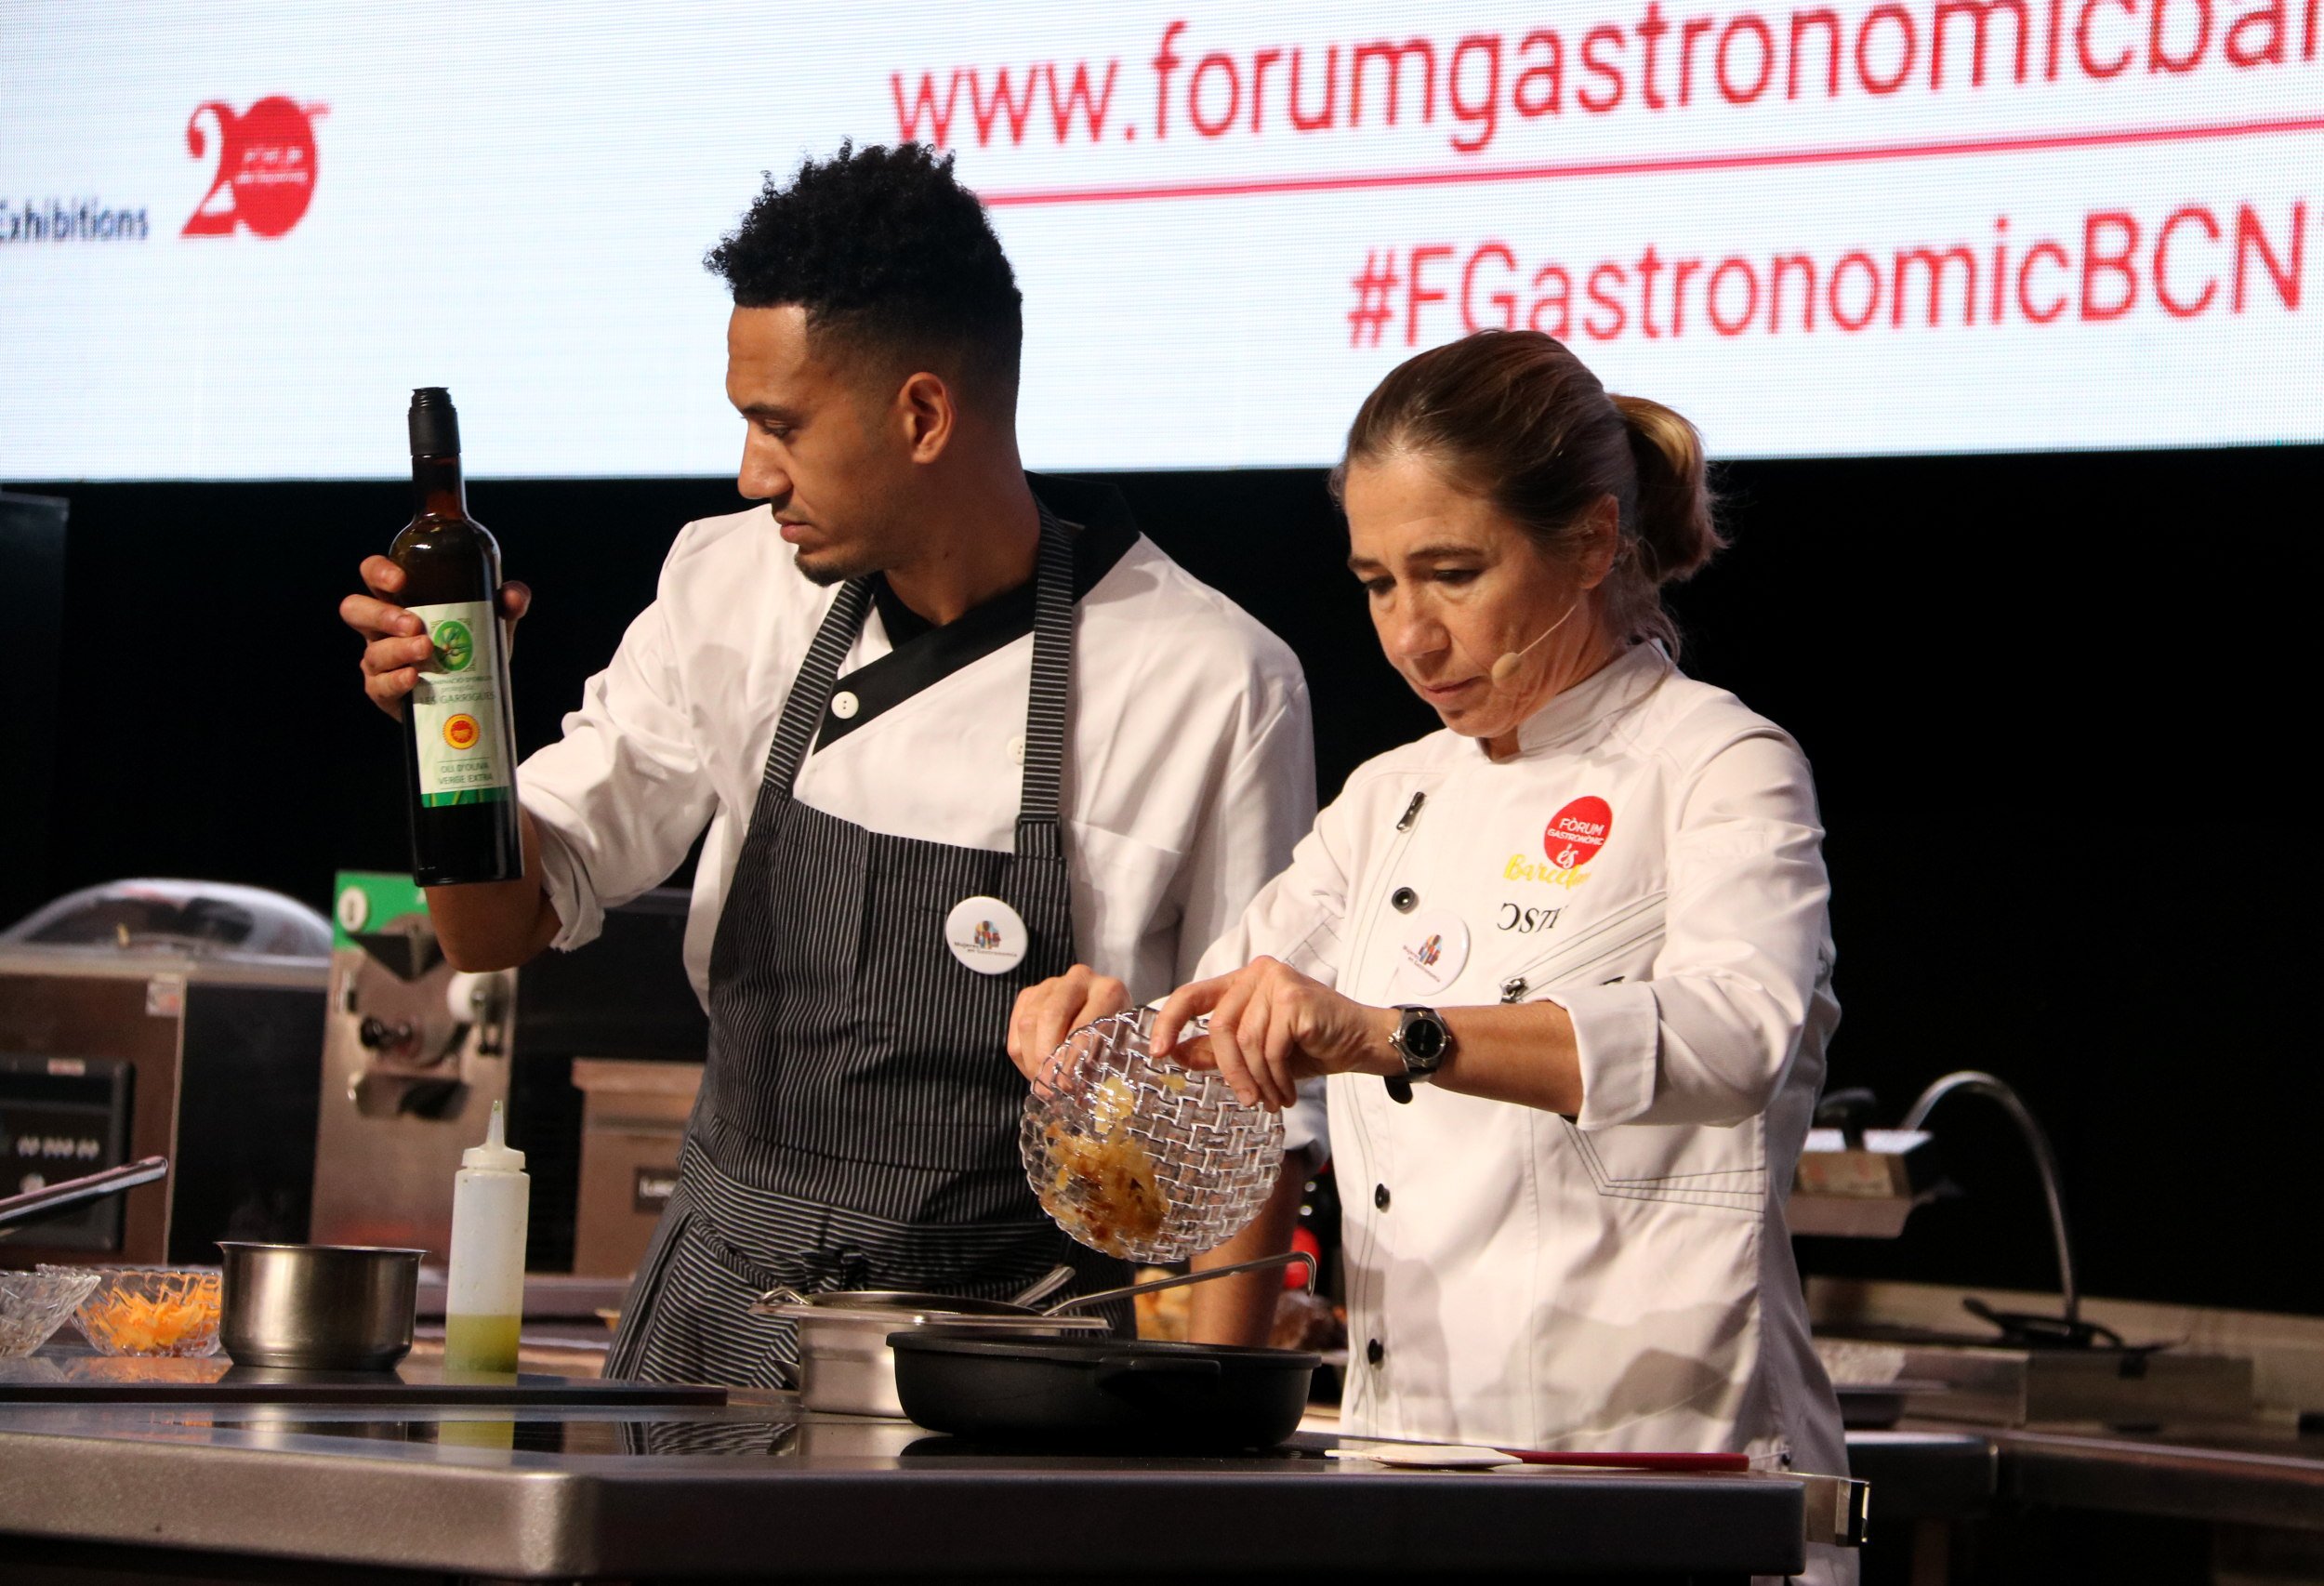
(986, 934)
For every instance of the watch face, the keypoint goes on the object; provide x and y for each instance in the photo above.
(1423, 1036)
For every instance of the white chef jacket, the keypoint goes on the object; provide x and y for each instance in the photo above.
(1651, 860)
(1189, 770)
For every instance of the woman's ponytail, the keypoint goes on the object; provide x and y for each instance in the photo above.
(1676, 533)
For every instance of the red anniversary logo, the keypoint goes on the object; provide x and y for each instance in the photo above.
(1576, 832)
(266, 166)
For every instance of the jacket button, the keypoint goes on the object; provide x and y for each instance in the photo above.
(1374, 1351)
(844, 706)
(1404, 900)
(1379, 1196)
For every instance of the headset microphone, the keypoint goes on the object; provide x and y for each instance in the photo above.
(1506, 667)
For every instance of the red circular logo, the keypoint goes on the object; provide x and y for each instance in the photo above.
(265, 175)
(1576, 832)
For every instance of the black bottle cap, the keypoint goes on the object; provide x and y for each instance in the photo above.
(435, 424)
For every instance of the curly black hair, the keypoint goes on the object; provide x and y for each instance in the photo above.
(886, 250)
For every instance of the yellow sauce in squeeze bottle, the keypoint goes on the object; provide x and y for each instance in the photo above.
(484, 1291)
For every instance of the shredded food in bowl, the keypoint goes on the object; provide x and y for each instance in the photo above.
(181, 1323)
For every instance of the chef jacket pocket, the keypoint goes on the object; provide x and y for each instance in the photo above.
(1133, 876)
(1621, 945)
(1717, 1169)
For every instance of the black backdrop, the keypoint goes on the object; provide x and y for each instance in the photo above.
(2049, 699)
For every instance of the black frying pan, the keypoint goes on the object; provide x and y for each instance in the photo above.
(1099, 1393)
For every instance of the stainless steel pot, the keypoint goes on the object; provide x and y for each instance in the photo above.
(844, 1362)
(318, 1307)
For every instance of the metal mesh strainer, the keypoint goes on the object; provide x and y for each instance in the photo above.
(1138, 1157)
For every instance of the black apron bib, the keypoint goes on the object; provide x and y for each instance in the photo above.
(857, 1124)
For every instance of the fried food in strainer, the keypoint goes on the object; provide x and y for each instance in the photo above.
(1138, 1157)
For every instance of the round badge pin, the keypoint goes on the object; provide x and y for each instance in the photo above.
(1432, 950)
(986, 934)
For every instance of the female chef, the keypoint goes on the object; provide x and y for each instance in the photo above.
(1565, 962)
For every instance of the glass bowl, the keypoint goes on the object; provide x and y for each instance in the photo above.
(149, 1311)
(34, 1305)
(1138, 1157)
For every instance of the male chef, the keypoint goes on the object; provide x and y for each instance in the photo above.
(952, 729)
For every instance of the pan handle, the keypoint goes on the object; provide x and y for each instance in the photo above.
(774, 1297)
(71, 1192)
(1114, 1367)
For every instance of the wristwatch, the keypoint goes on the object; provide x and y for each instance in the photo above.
(1423, 1042)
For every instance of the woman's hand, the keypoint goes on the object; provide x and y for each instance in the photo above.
(1047, 1013)
(1271, 1027)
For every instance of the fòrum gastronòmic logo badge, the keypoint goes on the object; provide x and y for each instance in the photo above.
(1574, 837)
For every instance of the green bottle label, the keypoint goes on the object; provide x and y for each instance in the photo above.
(456, 709)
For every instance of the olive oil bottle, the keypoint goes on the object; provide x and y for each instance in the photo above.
(459, 750)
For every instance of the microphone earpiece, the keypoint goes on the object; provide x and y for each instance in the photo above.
(1506, 667)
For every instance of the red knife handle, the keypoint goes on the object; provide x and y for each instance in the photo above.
(1649, 1461)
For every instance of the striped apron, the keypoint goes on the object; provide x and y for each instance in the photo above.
(857, 1122)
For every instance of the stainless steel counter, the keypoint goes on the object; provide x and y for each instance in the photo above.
(2225, 1475)
(765, 1489)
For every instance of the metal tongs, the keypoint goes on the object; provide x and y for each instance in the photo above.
(1259, 1265)
(71, 1192)
(1056, 1277)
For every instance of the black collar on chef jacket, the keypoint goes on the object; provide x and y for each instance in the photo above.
(924, 655)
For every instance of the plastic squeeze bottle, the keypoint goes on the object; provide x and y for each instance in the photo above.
(484, 1292)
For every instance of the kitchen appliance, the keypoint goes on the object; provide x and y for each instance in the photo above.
(2032, 1367)
(318, 1307)
(1996, 1385)
(162, 1018)
(1103, 1393)
(1139, 1157)
(415, 1053)
(633, 1122)
(1857, 1182)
